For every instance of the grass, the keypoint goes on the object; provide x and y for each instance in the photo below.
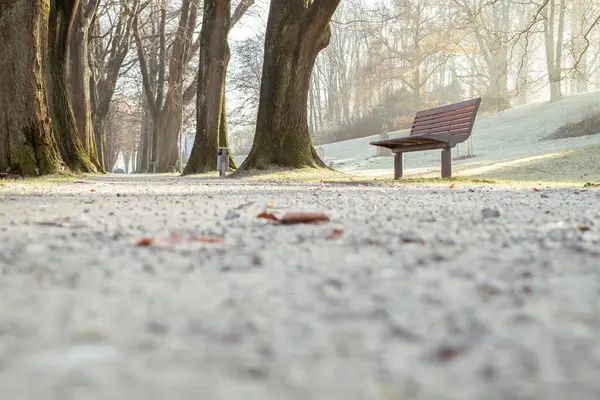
(589, 125)
(53, 178)
(316, 175)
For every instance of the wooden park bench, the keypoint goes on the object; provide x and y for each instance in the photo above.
(439, 128)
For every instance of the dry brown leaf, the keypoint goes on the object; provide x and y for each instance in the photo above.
(452, 186)
(145, 242)
(210, 239)
(92, 190)
(584, 228)
(336, 233)
(267, 215)
(303, 217)
(536, 190)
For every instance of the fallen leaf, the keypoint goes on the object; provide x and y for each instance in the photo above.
(210, 239)
(336, 233)
(267, 215)
(303, 217)
(145, 242)
(536, 190)
(92, 190)
(584, 228)
(175, 238)
(452, 186)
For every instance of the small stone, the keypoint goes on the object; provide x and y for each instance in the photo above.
(256, 260)
(411, 237)
(490, 213)
(156, 327)
(448, 351)
(544, 196)
(231, 215)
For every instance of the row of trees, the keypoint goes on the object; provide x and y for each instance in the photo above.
(58, 76)
(83, 81)
(63, 60)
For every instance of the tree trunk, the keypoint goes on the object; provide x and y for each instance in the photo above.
(64, 124)
(27, 145)
(223, 131)
(296, 32)
(79, 75)
(554, 73)
(211, 83)
(143, 157)
(126, 161)
(168, 125)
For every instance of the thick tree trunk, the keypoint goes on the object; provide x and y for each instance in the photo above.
(65, 127)
(143, 156)
(168, 125)
(296, 33)
(27, 145)
(79, 76)
(211, 82)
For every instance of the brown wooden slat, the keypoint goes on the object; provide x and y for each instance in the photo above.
(467, 117)
(455, 113)
(451, 107)
(442, 128)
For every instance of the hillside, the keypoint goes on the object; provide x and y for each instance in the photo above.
(514, 138)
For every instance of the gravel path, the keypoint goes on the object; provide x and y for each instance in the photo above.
(480, 292)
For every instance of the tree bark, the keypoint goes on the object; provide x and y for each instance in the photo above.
(211, 79)
(79, 75)
(71, 148)
(167, 118)
(27, 144)
(211, 118)
(553, 50)
(296, 32)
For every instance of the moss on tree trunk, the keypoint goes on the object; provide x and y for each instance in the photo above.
(79, 78)
(65, 126)
(27, 145)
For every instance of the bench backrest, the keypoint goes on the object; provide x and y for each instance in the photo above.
(454, 119)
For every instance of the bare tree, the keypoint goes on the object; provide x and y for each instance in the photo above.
(109, 48)
(211, 115)
(167, 109)
(296, 32)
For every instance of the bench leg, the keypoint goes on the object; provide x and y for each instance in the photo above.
(447, 163)
(398, 165)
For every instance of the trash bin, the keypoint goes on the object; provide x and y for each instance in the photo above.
(222, 160)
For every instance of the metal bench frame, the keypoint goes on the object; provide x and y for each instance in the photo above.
(437, 128)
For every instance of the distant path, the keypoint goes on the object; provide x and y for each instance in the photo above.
(477, 292)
